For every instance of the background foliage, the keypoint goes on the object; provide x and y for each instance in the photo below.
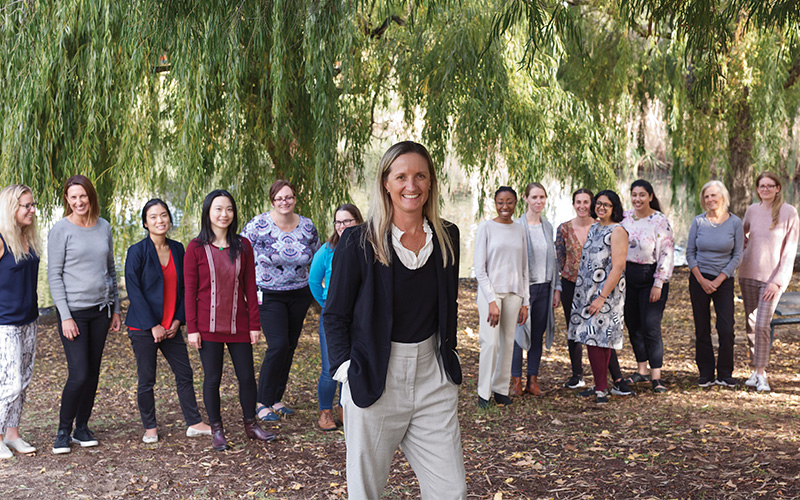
(250, 91)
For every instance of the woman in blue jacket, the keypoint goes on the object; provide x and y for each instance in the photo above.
(319, 276)
(154, 279)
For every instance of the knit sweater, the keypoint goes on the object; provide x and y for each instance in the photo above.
(769, 253)
(80, 267)
(220, 309)
(501, 260)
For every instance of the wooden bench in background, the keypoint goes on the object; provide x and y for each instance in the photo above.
(787, 312)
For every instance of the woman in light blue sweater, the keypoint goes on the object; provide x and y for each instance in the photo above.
(319, 276)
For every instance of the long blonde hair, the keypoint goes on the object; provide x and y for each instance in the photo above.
(777, 203)
(379, 217)
(14, 235)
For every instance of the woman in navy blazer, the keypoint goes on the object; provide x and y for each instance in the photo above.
(154, 280)
(390, 319)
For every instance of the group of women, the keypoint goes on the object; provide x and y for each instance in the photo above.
(388, 288)
(614, 268)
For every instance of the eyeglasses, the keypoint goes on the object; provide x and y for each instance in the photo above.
(344, 222)
(767, 186)
(288, 199)
(600, 204)
(28, 206)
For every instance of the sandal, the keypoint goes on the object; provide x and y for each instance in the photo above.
(637, 378)
(270, 416)
(282, 409)
(658, 386)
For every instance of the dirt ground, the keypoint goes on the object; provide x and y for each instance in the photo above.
(688, 443)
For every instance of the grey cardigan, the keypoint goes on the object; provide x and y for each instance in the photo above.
(523, 333)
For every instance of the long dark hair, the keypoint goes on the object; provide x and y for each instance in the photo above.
(207, 234)
(150, 204)
(616, 209)
(654, 204)
(344, 207)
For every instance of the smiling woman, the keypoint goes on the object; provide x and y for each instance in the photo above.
(19, 265)
(83, 284)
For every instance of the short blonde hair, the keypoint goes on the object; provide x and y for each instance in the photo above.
(726, 196)
(14, 235)
(379, 218)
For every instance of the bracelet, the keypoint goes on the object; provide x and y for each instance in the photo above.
(604, 298)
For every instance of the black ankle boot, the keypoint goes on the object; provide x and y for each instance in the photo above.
(218, 441)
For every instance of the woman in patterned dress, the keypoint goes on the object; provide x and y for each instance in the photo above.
(284, 244)
(598, 304)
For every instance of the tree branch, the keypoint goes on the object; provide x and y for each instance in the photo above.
(380, 30)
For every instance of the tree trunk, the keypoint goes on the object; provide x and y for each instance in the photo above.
(740, 149)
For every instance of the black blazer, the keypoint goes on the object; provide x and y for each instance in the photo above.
(144, 281)
(358, 313)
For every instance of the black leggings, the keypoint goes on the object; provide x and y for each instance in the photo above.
(282, 315)
(212, 356)
(84, 354)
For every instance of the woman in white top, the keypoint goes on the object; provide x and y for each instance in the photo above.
(501, 268)
(544, 291)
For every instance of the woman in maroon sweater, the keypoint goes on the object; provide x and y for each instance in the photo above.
(222, 309)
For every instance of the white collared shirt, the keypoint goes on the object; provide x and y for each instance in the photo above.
(409, 259)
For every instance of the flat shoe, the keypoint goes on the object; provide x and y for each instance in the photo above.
(20, 446)
(192, 432)
(282, 409)
(5, 452)
(637, 378)
(150, 439)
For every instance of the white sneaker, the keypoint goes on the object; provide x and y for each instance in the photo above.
(150, 439)
(751, 382)
(5, 452)
(20, 445)
(761, 383)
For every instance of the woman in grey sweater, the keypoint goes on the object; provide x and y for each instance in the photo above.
(713, 252)
(83, 285)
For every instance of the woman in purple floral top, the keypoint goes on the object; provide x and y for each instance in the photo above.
(284, 244)
(649, 267)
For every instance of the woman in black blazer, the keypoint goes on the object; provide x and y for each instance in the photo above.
(390, 320)
(154, 280)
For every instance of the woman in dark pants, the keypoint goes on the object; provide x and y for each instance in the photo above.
(154, 280)
(648, 270)
(713, 252)
(284, 244)
(83, 285)
(221, 310)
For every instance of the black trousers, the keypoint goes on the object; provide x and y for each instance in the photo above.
(701, 309)
(282, 315)
(212, 357)
(174, 350)
(84, 354)
(642, 318)
(574, 348)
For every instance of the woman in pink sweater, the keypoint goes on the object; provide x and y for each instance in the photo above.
(770, 231)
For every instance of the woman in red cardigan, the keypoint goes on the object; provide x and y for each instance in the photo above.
(222, 309)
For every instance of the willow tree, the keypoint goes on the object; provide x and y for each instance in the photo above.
(249, 91)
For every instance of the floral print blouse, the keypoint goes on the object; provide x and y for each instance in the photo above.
(282, 259)
(650, 241)
(568, 251)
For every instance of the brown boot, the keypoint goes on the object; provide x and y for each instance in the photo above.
(516, 386)
(254, 431)
(326, 421)
(218, 441)
(339, 416)
(532, 386)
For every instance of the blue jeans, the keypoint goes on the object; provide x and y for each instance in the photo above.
(326, 387)
(538, 311)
